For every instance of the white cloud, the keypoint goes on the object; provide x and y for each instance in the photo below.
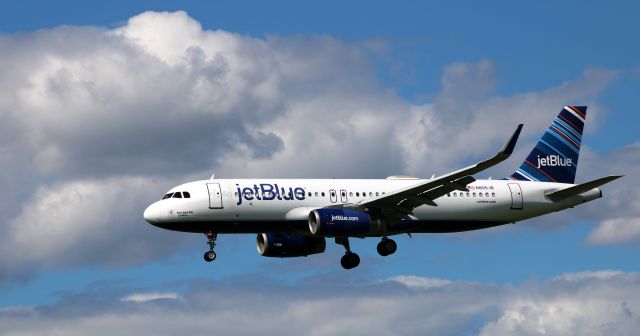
(616, 230)
(589, 275)
(413, 281)
(596, 308)
(594, 305)
(146, 297)
(619, 211)
(83, 222)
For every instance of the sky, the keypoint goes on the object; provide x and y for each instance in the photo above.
(104, 107)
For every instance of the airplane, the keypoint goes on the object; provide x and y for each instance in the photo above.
(292, 217)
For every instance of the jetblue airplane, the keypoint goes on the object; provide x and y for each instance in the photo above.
(292, 217)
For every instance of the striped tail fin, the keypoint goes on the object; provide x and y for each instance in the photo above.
(555, 157)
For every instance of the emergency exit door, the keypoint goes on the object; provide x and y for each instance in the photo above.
(516, 195)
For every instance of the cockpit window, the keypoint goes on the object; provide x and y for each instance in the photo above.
(177, 194)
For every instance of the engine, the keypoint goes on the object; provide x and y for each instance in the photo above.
(288, 245)
(341, 222)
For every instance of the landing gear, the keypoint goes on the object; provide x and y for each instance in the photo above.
(210, 255)
(386, 247)
(350, 259)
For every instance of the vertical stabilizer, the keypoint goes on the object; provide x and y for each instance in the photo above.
(555, 157)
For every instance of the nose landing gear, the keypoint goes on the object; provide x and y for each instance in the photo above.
(210, 255)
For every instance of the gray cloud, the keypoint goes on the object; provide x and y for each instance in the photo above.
(619, 211)
(591, 303)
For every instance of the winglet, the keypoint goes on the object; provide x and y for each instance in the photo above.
(508, 147)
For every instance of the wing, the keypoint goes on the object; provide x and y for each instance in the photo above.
(403, 201)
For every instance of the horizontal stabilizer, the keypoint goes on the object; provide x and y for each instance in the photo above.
(580, 188)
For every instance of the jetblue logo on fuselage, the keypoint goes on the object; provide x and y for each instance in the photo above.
(344, 218)
(553, 161)
(268, 192)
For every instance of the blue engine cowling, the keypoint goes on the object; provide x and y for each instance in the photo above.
(339, 222)
(285, 245)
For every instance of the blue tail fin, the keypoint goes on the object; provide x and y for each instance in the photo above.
(555, 157)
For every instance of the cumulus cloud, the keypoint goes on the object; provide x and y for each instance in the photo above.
(616, 230)
(591, 303)
(619, 212)
(84, 221)
(98, 122)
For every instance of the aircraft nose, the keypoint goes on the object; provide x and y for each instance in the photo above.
(151, 214)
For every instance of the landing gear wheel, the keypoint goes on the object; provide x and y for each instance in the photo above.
(209, 256)
(386, 247)
(350, 260)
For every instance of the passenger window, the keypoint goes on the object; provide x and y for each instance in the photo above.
(493, 194)
(377, 193)
(236, 194)
(486, 194)
(177, 195)
(357, 194)
(350, 194)
(323, 194)
(370, 194)
(468, 194)
(455, 194)
(309, 194)
(186, 194)
(474, 194)
(480, 194)
(449, 195)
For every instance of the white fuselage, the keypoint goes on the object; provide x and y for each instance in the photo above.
(268, 205)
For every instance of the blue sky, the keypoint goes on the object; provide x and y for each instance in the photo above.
(104, 108)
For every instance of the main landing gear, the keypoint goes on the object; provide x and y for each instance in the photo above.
(210, 255)
(350, 259)
(386, 246)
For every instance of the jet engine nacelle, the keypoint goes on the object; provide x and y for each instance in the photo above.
(340, 222)
(285, 245)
